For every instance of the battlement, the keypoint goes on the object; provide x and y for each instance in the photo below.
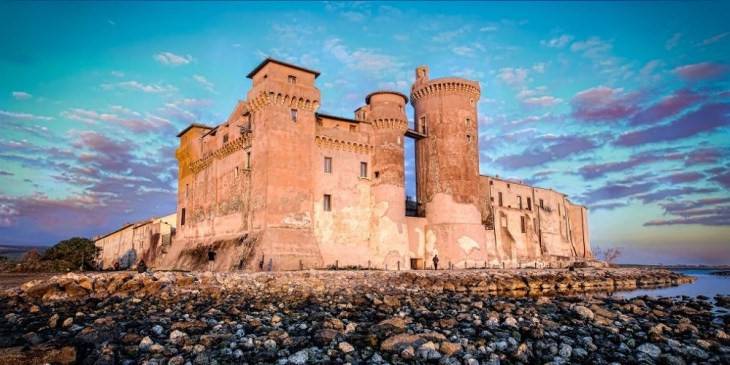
(446, 85)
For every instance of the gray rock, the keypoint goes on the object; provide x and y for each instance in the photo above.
(270, 345)
(158, 330)
(565, 350)
(649, 349)
(299, 358)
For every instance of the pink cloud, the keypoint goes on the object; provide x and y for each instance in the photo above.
(603, 103)
(667, 107)
(701, 71)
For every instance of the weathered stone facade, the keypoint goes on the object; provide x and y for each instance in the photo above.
(143, 240)
(280, 186)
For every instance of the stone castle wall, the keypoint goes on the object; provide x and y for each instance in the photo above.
(254, 192)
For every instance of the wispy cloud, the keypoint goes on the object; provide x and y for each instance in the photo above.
(21, 95)
(714, 39)
(23, 116)
(513, 76)
(672, 42)
(171, 59)
(557, 42)
(701, 71)
(138, 86)
(200, 79)
(362, 59)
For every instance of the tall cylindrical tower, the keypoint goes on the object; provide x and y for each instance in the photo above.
(447, 165)
(385, 112)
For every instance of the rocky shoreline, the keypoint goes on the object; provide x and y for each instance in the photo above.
(450, 317)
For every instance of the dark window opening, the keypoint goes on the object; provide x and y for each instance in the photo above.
(327, 203)
(248, 159)
(292, 79)
(182, 217)
(529, 204)
(293, 113)
(541, 204)
(225, 138)
(468, 138)
(377, 174)
(519, 201)
(500, 198)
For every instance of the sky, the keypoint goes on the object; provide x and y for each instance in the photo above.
(624, 107)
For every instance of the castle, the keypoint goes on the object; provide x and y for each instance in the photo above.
(279, 186)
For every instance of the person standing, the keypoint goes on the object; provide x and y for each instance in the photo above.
(435, 262)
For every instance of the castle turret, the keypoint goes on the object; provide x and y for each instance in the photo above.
(447, 166)
(385, 112)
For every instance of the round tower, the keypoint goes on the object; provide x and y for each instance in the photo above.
(447, 166)
(385, 112)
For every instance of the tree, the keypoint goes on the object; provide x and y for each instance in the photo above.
(610, 255)
(77, 251)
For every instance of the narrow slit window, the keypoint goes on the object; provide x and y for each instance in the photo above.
(328, 165)
(522, 224)
(468, 138)
(529, 204)
(182, 217)
(542, 205)
(363, 169)
(293, 113)
(519, 201)
(248, 159)
(327, 203)
(187, 190)
(500, 198)
(236, 173)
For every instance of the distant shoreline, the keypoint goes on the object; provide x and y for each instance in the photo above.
(675, 267)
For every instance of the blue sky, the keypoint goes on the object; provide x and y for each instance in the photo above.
(625, 107)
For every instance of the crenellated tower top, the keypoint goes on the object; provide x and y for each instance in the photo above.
(424, 87)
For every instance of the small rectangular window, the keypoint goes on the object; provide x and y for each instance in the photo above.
(377, 174)
(541, 204)
(522, 223)
(225, 138)
(292, 79)
(328, 165)
(500, 198)
(519, 201)
(248, 159)
(182, 217)
(467, 122)
(293, 114)
(363, 169)
(468, 138)
(529, 204)
(236, 173)
(327, 203)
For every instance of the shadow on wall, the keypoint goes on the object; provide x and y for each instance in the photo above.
(128, 259)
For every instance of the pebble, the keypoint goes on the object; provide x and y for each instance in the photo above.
(386, 321)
